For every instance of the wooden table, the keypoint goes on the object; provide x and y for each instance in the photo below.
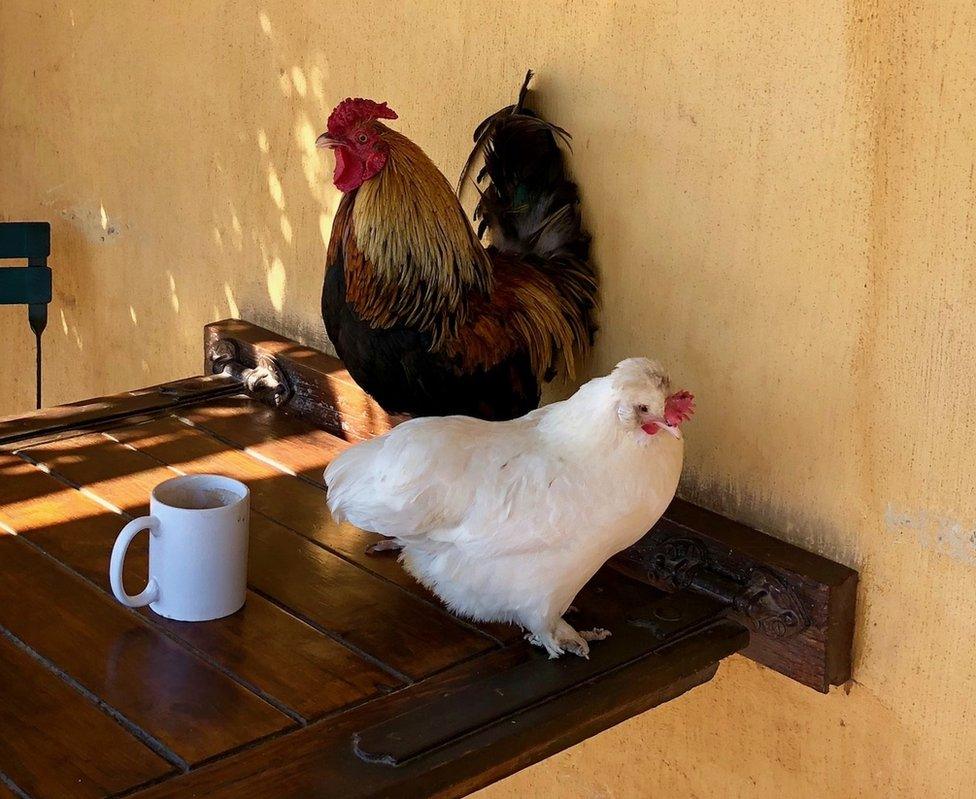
(340, 677)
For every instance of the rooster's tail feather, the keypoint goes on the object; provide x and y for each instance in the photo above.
(530, 207)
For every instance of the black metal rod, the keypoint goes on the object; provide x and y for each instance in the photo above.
(37, 318)
(37, 367)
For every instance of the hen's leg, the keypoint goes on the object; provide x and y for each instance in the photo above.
(570, 640)
(546, 641)
(563, 638)
(384, 545)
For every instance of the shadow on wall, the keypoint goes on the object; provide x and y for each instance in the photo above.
(285, 220)
(182, 188)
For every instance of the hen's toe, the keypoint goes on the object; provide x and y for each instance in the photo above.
(577, 646)
(596, 634)
(384, 545)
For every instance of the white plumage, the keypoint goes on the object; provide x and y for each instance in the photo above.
(506, 521)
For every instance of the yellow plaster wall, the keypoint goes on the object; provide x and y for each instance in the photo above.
(781, 197)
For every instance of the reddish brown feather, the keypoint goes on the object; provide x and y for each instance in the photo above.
(514, 306)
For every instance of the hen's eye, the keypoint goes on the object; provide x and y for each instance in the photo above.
(642, 408)
(362, 138)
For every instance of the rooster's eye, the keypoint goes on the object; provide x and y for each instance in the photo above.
(362, 137)
(642, 408)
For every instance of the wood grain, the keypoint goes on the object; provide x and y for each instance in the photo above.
(266, 647)
(188, 706)
(414, 637)
(42, 719)
(293, 445)
(641, 625)
(101, 409)
(411, 635)
(319, 761)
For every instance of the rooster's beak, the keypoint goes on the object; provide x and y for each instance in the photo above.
(325, 140)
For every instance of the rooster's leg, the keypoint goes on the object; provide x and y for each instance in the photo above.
(384, 545)
(596, 634)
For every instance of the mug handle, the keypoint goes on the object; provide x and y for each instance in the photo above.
(130, 531)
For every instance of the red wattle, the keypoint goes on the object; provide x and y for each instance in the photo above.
(650, 428)
(348, 173)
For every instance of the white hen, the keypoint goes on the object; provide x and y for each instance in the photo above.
(506, 521)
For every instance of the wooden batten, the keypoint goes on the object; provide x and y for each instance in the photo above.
(103, 410)
(814, 595)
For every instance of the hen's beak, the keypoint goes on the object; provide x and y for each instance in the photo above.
(325, 140)
(672, 429)
(651, 426)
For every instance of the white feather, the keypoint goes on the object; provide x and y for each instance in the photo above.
(506, 521)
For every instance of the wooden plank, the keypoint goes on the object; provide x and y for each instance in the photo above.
(491, 700)
(410, 635)
(390, 624)
(43, 719)
(324, 392)
(319, 761)
(115, 406)
(293, 503)
(293, 445)
(263, 645)
(72, 528)
(186, 705)
(5, 792)
(818, 655)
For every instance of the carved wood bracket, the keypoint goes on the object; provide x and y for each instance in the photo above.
(766, 603)
(265, 377)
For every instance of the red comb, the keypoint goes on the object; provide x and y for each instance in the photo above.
(679, 407)
(353, 111)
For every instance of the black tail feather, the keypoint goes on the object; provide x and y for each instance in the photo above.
(530, 206)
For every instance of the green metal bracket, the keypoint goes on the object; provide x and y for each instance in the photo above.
(27, 285)
(25, 240)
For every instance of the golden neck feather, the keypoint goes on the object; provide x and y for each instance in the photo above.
(413, 231)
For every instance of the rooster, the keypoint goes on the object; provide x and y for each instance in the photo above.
(506, 521)
(427, 319)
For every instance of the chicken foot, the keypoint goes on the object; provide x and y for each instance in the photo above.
(384, 545)
(563, 638)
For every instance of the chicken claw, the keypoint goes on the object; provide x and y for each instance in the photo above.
(563, 638)
(384, 545)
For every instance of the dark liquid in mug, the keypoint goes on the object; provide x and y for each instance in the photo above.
(201, 498)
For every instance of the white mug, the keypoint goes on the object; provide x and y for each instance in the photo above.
(198, 529)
